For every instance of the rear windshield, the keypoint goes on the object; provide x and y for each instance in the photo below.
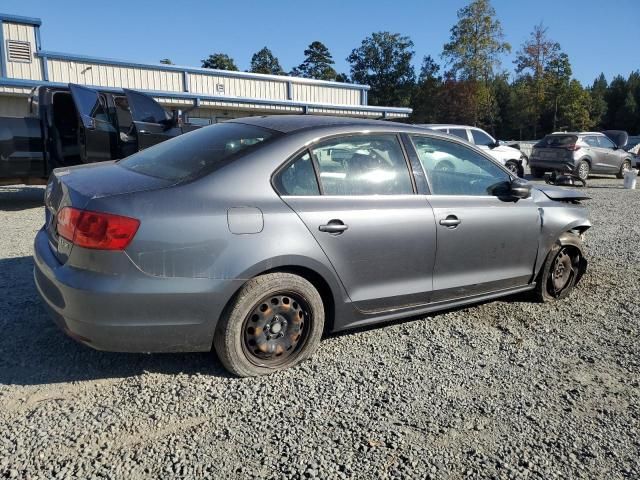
(557, 141)
(197, 153)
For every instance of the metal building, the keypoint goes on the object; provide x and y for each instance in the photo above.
(216, 94)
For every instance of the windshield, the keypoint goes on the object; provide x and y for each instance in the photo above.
(557, 141)
(196, 153)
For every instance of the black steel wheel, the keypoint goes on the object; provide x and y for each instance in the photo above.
(275, 322)
(560, 273)
(275, 329)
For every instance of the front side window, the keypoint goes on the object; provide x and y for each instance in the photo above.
(481, 138)
(197, 153)
(454, 169)
(605, 142)
(298, 178)
(363, 165)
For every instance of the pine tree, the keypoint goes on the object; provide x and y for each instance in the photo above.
(317, 63)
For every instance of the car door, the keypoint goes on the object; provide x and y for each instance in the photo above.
(376, 232)
(611, 157)
(152, 123)
(485, 242)
(97, 136)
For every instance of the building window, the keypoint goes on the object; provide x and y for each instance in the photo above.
(19, 51)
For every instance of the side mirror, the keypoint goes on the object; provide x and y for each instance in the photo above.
(520, 189)
(493, 145)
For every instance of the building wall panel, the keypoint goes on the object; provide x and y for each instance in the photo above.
(23, 33)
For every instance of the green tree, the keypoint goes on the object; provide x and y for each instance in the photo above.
(383, 61)
(598, 92)
(264, 61)
(558, 78)
(532, 61)
(426, 101)
(317, 63)
(574, 109)
(473, 54)
(476, 42)
(166, 61)
(220, 61)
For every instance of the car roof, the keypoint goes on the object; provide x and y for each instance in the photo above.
(293, 123)
(446, 125)
(577, 133)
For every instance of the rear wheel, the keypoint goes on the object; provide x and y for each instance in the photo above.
(624, 168)
(559, 274)
(583, 170)
(275, 322)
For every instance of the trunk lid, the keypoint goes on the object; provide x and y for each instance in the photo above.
(76, 186)
(555, 148)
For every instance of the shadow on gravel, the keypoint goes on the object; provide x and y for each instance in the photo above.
(21, 198)
(33, 351)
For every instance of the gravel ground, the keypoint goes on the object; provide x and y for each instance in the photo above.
(507, 389)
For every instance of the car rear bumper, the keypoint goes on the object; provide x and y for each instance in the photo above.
(549, 165)
(132, 313)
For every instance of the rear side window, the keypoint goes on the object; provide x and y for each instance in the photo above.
(298, 178)
(557, 141)
(197, 153)
(591, 141)
(363, 165)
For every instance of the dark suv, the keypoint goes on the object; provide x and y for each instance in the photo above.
(584, 152)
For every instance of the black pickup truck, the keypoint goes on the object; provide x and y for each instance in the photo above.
(74, 125)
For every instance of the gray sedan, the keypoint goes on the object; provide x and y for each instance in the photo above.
(255, 236)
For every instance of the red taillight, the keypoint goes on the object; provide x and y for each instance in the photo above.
(573, 147)
(103, 231)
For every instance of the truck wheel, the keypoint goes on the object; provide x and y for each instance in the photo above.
(275, 322)
(583, 170)
(624, 168)
(559, 273)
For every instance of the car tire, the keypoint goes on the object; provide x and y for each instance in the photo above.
(537, 172)
(583, 169)
(552, 284)
(274, 322)
(625, 167)
(514, 168)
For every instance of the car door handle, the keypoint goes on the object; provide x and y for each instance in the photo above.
(450, 222)
(333, 226)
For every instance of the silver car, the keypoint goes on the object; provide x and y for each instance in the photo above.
(583, 153)
(255, 236)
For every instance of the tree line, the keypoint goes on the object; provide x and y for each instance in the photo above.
(470, 86)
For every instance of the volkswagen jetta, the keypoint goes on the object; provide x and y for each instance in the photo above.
(254, 236)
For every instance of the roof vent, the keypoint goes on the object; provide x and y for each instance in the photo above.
(18, 51)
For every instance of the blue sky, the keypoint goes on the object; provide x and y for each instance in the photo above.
(598, 36)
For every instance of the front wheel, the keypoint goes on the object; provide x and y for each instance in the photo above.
(515, 168)
(624, 168)
(560, 273)
(275, 322)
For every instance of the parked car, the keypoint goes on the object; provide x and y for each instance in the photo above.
(510, 157)
(74, 125)
(258, 234)
(587, 152)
